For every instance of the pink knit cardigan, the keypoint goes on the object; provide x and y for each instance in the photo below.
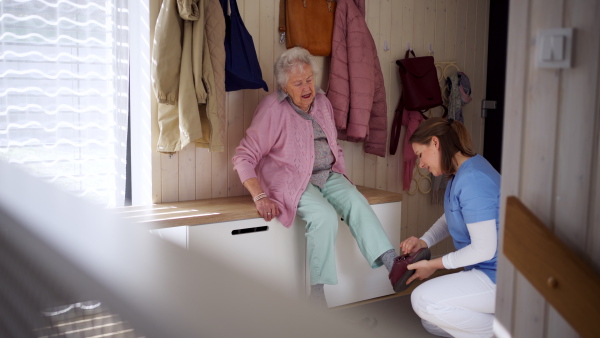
(278, 149)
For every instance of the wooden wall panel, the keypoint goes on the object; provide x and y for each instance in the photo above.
(592, 246)
(154, 9)
(550, 113)
(517, 57)
(538, 159)
(573, 127)
(219, 175)
(456, 31)
(187, 173)
(372, 15)
(235, 133)
(383, 41)
(169, 177)
(203, 167)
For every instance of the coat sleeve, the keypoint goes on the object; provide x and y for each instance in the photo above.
(166, 53)
(362, 79)
(338, 91)
(198, 50)
(376, 142)
(214, 74)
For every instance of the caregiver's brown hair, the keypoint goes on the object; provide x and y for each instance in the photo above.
(453, 137)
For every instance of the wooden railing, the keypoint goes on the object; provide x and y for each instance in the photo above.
(565, 280)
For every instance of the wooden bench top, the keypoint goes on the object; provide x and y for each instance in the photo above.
(214, 210)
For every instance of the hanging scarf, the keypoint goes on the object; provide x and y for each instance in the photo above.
(460, 94)
(411, 120)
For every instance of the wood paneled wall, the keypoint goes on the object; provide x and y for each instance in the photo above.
(551, 157)
(457, 32)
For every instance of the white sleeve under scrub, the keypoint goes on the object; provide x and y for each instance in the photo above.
(437, 232)
(484, 242)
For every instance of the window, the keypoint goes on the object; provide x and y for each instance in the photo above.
(64, 78)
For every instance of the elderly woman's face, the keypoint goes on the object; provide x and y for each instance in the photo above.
(301, 86)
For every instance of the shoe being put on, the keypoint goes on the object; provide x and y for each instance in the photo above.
(400, 274)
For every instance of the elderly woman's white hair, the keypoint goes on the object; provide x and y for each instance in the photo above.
(292, 58)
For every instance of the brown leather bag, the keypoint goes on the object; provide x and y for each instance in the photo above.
(307, 24)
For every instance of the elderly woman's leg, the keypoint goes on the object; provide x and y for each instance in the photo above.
(321, 230)
(360, 217)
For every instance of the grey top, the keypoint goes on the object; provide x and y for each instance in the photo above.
(323, 155)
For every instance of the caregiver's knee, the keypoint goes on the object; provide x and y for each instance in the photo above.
(419, 299)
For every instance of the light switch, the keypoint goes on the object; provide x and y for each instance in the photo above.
(558, 45)
(554, 48)
(546, 46)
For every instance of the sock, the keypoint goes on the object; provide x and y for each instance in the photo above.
(317, 295)
(388, 258)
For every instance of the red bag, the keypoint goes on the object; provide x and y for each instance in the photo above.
(420, 85)
(420, 91)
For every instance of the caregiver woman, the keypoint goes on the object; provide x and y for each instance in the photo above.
(459, 304)
(291, 164)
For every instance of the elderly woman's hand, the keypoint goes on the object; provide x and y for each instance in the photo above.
(267, 209)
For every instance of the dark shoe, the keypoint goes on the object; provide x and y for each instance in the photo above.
(400, 274)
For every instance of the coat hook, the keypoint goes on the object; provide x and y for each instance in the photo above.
(386, 46)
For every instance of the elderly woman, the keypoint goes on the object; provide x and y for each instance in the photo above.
(291, 164)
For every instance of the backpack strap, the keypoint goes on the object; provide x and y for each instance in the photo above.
(396, 127)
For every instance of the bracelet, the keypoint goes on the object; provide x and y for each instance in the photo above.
(259, 197)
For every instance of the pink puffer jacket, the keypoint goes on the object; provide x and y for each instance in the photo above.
(356, 88)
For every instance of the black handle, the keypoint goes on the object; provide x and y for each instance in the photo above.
(249, 230)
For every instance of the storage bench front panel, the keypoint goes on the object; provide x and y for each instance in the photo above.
(267, 251)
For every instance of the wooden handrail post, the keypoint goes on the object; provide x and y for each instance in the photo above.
(565, 280)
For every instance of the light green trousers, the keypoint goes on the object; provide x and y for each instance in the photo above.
(321, 209)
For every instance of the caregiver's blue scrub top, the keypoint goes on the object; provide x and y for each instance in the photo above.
(473, 195)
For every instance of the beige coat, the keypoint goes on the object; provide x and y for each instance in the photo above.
(214, 111)
(185, 74)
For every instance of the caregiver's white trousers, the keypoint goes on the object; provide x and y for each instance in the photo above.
(457, 305)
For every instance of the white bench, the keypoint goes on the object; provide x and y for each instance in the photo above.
(230, 229)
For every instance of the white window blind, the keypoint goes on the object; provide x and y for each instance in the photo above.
(64, 77)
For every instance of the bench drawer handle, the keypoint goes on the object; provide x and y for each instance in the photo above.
(249, 230)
